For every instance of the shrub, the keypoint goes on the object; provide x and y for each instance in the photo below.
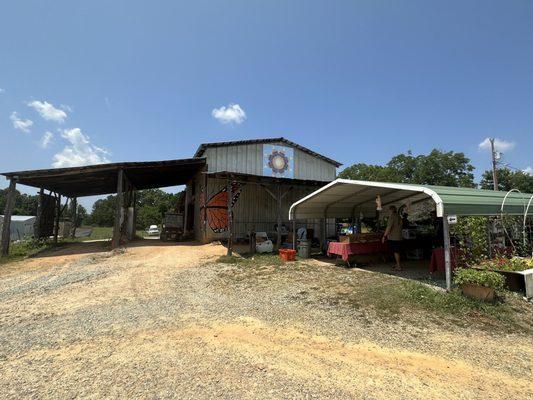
(488, 279)
(507, 264)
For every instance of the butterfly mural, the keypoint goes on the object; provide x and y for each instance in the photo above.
(216, 208)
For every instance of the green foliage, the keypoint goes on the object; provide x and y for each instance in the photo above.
(26, 248)
(436, 168)
(508, 180)
(103, 213)
(152, 206)
(488, 279)
(366, 172)
(25, 204)
(473, 236)
(507, 264)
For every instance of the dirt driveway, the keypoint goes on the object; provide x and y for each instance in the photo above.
(168, 321)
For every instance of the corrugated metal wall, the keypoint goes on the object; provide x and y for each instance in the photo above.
(254, 209)
(248, 159)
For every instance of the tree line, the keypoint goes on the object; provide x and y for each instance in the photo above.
(436, 168)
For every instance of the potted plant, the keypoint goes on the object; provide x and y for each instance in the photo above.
(517, 271)
(480, 285)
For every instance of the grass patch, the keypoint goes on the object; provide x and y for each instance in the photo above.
(374, 294)
(21, 250)
(413, 300)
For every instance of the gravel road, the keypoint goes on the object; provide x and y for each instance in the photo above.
(158, 320)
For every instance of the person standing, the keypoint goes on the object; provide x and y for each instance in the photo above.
(393, 234)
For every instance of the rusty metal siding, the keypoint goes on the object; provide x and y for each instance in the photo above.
(255, 209)
(248, 159)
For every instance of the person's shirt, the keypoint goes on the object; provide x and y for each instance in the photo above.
(394, 226)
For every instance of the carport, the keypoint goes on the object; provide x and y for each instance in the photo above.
(124, 179)
(345, 198)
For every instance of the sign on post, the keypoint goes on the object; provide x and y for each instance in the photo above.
(452, 219)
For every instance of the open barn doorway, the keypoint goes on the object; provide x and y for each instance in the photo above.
(62, 187)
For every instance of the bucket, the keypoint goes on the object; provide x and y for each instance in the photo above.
(304, 249)
(287, 254)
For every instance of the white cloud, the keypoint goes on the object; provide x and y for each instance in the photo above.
(499, 145)
(231, 113)
(48, 112)
(79, 152)
(20, 124)
(2, 90)
(46, 139)
(528, 170)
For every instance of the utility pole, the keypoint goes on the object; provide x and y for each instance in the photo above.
(494, 164)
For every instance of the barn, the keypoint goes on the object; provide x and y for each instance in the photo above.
(257, 180)
(232, 188)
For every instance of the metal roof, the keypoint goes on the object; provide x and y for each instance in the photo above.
(204, 146)
(345, 198)
(102, 178)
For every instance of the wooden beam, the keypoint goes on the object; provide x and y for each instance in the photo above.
(74, 217)
(278, 222)
(57, 215)
(204, 214)
(186, 209)
(38, 218)
(8, 211)
(118, 211)
(230, 219)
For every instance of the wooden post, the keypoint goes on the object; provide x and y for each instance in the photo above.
(58, 214)
(118, 211)
(134, 214)
(204, 214)
(447, 259)
(230, 218)
(186, 209)
(74, 217)
(8, 211)
(38, 218)
(278, 230)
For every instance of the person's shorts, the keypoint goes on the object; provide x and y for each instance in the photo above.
(395, 245)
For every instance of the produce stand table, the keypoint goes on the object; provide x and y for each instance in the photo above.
(437, 259)
(345, 250)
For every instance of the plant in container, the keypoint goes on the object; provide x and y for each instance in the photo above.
(480, 285)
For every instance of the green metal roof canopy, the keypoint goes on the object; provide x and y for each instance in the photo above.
(345, 198)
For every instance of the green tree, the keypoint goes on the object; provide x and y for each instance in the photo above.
(508, 180)
(436, 168)
(368, 172)
(103, 213)
(152, 205)
(25, 204)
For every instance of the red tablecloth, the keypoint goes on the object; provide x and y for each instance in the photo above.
(346, 249)
(437, 259)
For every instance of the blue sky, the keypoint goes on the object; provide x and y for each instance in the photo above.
(359, 81)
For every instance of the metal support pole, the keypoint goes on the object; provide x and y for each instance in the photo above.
(324, 235)
(447, 258)
(294, 234)
(494, 165)
(230, 219)
(8, 211)
(57, 216)
(118, 211)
